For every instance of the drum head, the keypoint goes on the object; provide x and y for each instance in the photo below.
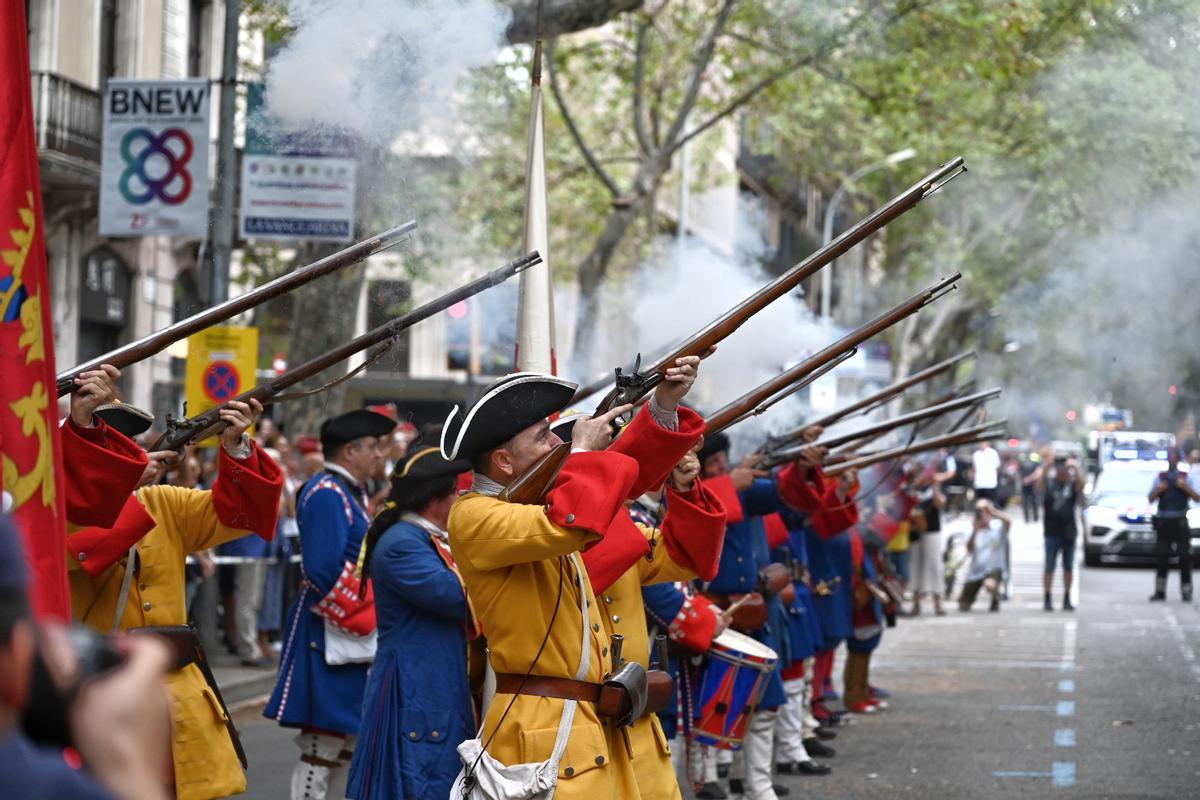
(741, 643)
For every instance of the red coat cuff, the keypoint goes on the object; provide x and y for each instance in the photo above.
(246, 493)
(695, 624)
(615, 554)
(727, 496)
(836, 514)
(590, 490)
(777, 532)
(693, 530)
(656, 449)
(802, 490)
(101, 468)
(96, 548)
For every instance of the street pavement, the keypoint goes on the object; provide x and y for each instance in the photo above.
(1100, 703)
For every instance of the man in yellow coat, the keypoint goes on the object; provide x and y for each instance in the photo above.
(131, 575)
(521, 567)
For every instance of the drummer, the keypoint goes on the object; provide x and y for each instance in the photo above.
(749, 494)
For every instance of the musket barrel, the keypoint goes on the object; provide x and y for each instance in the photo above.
(978, 433)
(160, 340)
(738, 408)
(727, 323)
(209, 422)
(913, 416)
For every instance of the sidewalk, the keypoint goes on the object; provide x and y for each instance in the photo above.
(240, 686)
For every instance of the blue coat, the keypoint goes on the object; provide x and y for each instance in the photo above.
(309, 693)
(417, 706)
(744, 554)
(829, 559)
(805, 636)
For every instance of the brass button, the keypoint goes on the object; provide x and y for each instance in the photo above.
(599, 760)
(603, 651)
(434, 734)
(616, 617)
(570, 519)
(312, 645)
(739, 559)
(142, 586)
(81, 557)
(596, 627)
(569, 771)
(608, 599)
(147, 606)
(412, 735)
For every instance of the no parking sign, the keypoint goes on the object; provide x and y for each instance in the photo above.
(221, 365)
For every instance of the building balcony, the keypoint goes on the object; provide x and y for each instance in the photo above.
(68, 120)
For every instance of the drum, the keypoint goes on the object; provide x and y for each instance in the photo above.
(730, 688)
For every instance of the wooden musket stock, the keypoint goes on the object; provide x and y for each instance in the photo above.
(978, 433)
(160, 340)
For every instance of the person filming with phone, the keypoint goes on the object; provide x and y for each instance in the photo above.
(1173, 494)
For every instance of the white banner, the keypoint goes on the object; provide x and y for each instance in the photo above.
(297, 197)
(154, 160)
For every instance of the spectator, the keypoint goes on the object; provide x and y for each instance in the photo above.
(118, 722)
(1061, 486)
(270, 612)
(987, 546)
(985, 471)
(926, 523)
(1029, 490)
(312, 459)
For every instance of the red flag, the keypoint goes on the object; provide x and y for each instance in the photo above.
(29, 448)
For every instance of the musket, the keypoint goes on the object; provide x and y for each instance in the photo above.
(742, 407)
(630, 388)
(871, 401)
(606, 380)
(978, 433)
(182, 432)
(160, 340)
(920, 415)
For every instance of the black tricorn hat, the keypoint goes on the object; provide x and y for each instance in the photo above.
(512, 404)
(564, 426)
(717, 443)
(124, 418)
(427, 463)
(355, 425)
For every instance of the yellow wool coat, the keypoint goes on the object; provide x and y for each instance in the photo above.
(513, 560)
(206, 765)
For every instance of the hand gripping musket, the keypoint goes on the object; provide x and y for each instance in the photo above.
(160, 340)
(775, 389)
(529, 487)
(872, 401)
(978, 433)
(180, 433)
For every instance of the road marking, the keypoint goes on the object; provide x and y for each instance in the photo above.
(1019, 707)
(902, 664)
(1189, 654)
(1063, 773)
(1066, 686)
(1064, 737)
(1018, 774)
(1065, 708)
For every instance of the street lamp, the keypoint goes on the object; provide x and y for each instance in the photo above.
(831, 209)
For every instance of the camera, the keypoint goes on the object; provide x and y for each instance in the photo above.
(47, 718)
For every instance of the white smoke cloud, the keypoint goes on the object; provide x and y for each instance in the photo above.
(379, 67)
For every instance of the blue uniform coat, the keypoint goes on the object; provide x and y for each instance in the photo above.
(744, 554)
(309, 693)
(417, 706)
(805, 636)
(829, 559)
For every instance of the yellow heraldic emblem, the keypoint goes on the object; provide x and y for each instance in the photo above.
(18, 307)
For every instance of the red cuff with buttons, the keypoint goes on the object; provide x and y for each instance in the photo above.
(246, 493)
(656, 449)
(695, 624)
(590, 490)
(693, 529)
(836, 514)
(615, 554)
(101, 467)
(803, 490)
(727, 495)
(96, 548)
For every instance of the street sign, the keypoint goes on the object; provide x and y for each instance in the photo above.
(221, 364)
(154, 158)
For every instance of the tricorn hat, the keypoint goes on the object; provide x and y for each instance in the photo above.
(510, 406)
(124, 418)
(355, 425)
(427, 463)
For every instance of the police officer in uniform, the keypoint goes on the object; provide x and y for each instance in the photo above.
(1173, 493)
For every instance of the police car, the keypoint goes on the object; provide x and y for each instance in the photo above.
(1117, 521)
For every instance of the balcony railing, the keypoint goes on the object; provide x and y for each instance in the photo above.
(67, 116)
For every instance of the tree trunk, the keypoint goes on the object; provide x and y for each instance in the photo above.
(592, 272)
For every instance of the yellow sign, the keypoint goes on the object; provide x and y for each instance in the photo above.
(221, 364)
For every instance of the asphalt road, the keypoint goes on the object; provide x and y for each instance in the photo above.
(1101, 703)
